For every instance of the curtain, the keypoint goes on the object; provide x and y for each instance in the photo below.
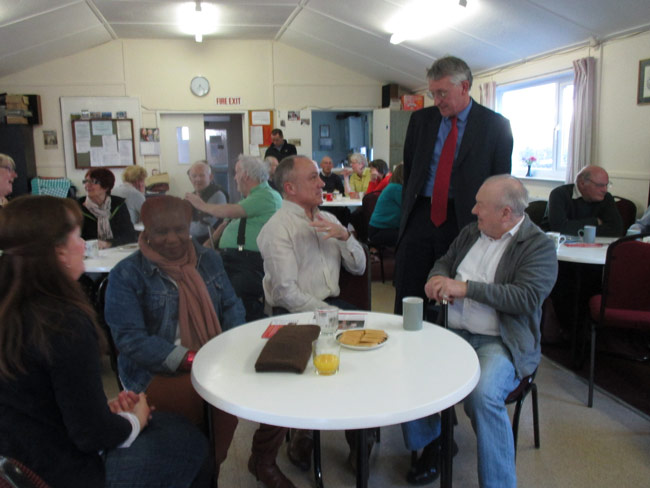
(583, 108)
(488, 94)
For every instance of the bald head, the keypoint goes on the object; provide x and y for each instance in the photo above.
(326, 165)
(200, 175)
(592, 183)
(500, 203)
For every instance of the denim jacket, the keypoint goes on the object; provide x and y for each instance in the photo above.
(142, 312)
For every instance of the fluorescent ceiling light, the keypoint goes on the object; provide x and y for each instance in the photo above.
(423, 18)
(198, 19)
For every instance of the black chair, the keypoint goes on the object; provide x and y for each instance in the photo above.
(518, 396)
(536, 210)
(627, 209)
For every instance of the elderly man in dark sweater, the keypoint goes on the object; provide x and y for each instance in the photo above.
(587, 202)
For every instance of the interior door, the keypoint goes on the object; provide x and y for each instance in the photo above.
(182, 142)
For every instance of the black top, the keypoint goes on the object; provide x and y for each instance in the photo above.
(55, 418)
(332, 182)
(120, 220)
(205, 195)
(286, 150)
(568, 215)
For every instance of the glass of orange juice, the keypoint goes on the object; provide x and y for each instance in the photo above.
(326, 353)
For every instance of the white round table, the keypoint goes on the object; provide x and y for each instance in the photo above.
(341, 202)
(108, 258)
(585, 255)
(415, 374)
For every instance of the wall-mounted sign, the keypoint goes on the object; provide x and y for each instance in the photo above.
(228, 100)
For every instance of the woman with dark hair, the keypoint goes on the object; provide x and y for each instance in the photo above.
(384, 222)
(105, 217)
(54, 416)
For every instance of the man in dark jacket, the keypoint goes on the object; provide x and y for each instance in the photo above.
(280, 148)
(480, 145)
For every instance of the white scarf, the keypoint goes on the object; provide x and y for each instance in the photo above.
(103, 213)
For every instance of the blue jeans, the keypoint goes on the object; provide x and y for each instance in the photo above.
(485, 407)
(169, 453)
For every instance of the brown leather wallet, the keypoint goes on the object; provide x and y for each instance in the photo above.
(288, 350)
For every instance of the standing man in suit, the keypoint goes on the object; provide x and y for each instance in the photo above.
(279, 148)
(443, 174)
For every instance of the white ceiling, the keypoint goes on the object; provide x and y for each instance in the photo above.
(350, 33)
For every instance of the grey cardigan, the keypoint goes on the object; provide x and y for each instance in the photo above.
(524, 278)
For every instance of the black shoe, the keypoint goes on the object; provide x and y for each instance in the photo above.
(425, 470)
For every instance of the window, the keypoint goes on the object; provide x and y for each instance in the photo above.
(540, 112)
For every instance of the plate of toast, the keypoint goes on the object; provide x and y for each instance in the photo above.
(362, 339)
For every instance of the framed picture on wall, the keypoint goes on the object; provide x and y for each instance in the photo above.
(644, 82)
(324, 131)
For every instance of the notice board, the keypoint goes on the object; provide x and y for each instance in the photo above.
(260, 125)
(107, 143)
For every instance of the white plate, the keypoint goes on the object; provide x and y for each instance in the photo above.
(361, 348)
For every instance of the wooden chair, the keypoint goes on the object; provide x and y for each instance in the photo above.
(625, 299)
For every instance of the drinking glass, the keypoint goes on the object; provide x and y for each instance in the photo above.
(328, 320)
(326, 353)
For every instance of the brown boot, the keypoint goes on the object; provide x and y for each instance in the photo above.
(301, 447)
(269, 474)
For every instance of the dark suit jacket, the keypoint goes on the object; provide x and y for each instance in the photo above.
(485, 150)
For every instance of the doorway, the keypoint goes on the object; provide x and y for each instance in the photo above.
(186, 138)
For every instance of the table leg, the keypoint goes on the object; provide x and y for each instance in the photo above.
(446, 458)
(362, 458)
(318, 472)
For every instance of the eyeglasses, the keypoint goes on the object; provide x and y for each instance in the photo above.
(90, 180)
(600, 185)
(441, 94)
(11, 169)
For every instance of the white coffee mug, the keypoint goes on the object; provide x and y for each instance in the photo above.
(412, 313)
(557, 238)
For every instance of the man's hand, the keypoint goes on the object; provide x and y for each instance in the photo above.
(330, 229)
(440, 288)
(196, 201)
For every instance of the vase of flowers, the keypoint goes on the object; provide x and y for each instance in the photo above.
(529, 162)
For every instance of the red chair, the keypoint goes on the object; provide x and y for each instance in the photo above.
(625, 299)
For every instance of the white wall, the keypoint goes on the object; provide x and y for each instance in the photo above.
(262, 74)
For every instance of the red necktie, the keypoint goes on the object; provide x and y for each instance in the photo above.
(440, 194)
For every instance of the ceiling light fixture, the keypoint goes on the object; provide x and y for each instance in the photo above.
(423, 18)
(198, 19)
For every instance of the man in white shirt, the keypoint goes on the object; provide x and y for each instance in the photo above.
(495, 275)
(303, 247)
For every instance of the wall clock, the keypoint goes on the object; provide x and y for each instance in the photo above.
(200, 86)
